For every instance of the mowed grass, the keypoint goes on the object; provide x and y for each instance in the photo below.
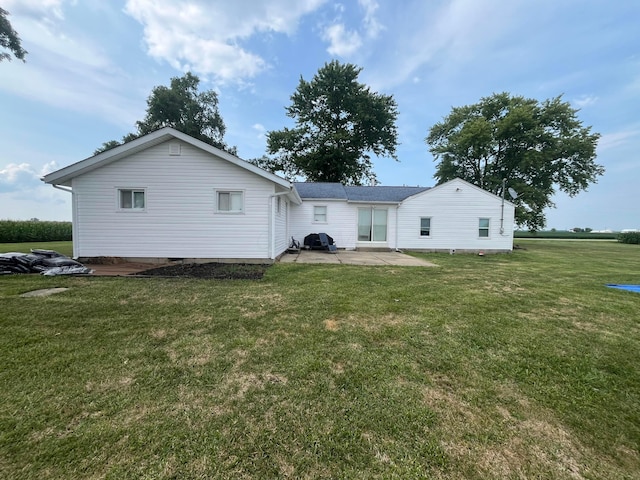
(505, 366)
(65, 248)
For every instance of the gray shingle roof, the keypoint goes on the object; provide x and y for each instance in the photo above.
(337, 191)
(321, 190)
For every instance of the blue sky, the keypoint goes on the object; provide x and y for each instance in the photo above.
(92, 64)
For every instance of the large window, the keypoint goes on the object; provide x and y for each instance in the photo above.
(131, 199)
(372, 225)
(425, 227)
(230, 201)
(320, 214)
(483, 227)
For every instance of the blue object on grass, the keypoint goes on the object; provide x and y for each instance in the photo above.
(631, 288)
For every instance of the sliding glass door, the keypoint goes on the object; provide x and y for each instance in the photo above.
(372, 224)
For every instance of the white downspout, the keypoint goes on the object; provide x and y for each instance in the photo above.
(397, 213)
(74, 223)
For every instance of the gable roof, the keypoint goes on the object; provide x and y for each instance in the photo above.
(463, 183)
(66, 174)
(373, 194)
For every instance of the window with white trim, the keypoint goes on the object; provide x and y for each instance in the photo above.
(278, 205)
(425, 227)
(320, 214)
(230, 201)
(131, 199)
(483, 227)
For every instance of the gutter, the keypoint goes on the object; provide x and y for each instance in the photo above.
(64, 189)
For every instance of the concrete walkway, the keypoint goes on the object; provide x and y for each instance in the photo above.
(351, 257)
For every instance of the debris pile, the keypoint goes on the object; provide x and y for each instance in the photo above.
(46, 262)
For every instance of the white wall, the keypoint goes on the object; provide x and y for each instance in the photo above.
(455, 209)
(180, 218)
(280, 222)
(341, 225)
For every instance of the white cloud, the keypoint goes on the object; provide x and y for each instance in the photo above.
(15, 177)
(23, 195)
(585, 101)
(258, 127)
(613, 140)
(48, 168)
(40, 9)
(447, 36)
(11, 172)
(342, 42)
(345, 42)
(207, 36)
(372, 26)
(66, 68)
(38, 201)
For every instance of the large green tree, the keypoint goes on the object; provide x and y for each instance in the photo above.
(507, 141)
(339, 124)
(184, 108)
(9, 39)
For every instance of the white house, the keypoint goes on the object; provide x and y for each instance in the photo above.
(169, 196)
(453, 216)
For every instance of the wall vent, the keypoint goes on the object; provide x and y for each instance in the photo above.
(174, 149)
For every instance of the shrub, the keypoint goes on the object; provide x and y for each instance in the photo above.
(629, 237)
(18, 231)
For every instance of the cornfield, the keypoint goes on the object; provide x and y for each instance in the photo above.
(17, 231)
(629, 237)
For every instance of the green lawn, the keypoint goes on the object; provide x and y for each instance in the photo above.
(503, 366)
(64, 248)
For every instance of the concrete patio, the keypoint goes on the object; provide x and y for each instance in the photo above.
(355, 257)
(347, 257)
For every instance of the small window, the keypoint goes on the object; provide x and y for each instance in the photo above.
(425, 227)
(320, 214)
(278, 206)
(131, 199)
(483, 228)
(230, 202)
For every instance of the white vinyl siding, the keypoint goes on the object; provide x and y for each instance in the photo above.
(341, 225)
(455, 207)
(180, 218)
(281, 225)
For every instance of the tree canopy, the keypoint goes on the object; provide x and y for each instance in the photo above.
(9, 39)
(184, 108)
(535, 147)
(339, 124)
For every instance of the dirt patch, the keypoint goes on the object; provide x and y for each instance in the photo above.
(331, 325)
(44, 292)
(222, 271)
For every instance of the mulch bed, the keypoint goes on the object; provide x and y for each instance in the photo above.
(223, 271)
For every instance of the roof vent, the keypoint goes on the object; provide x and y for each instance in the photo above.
(174, 149)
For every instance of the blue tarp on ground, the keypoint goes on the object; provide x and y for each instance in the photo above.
(631, 288)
